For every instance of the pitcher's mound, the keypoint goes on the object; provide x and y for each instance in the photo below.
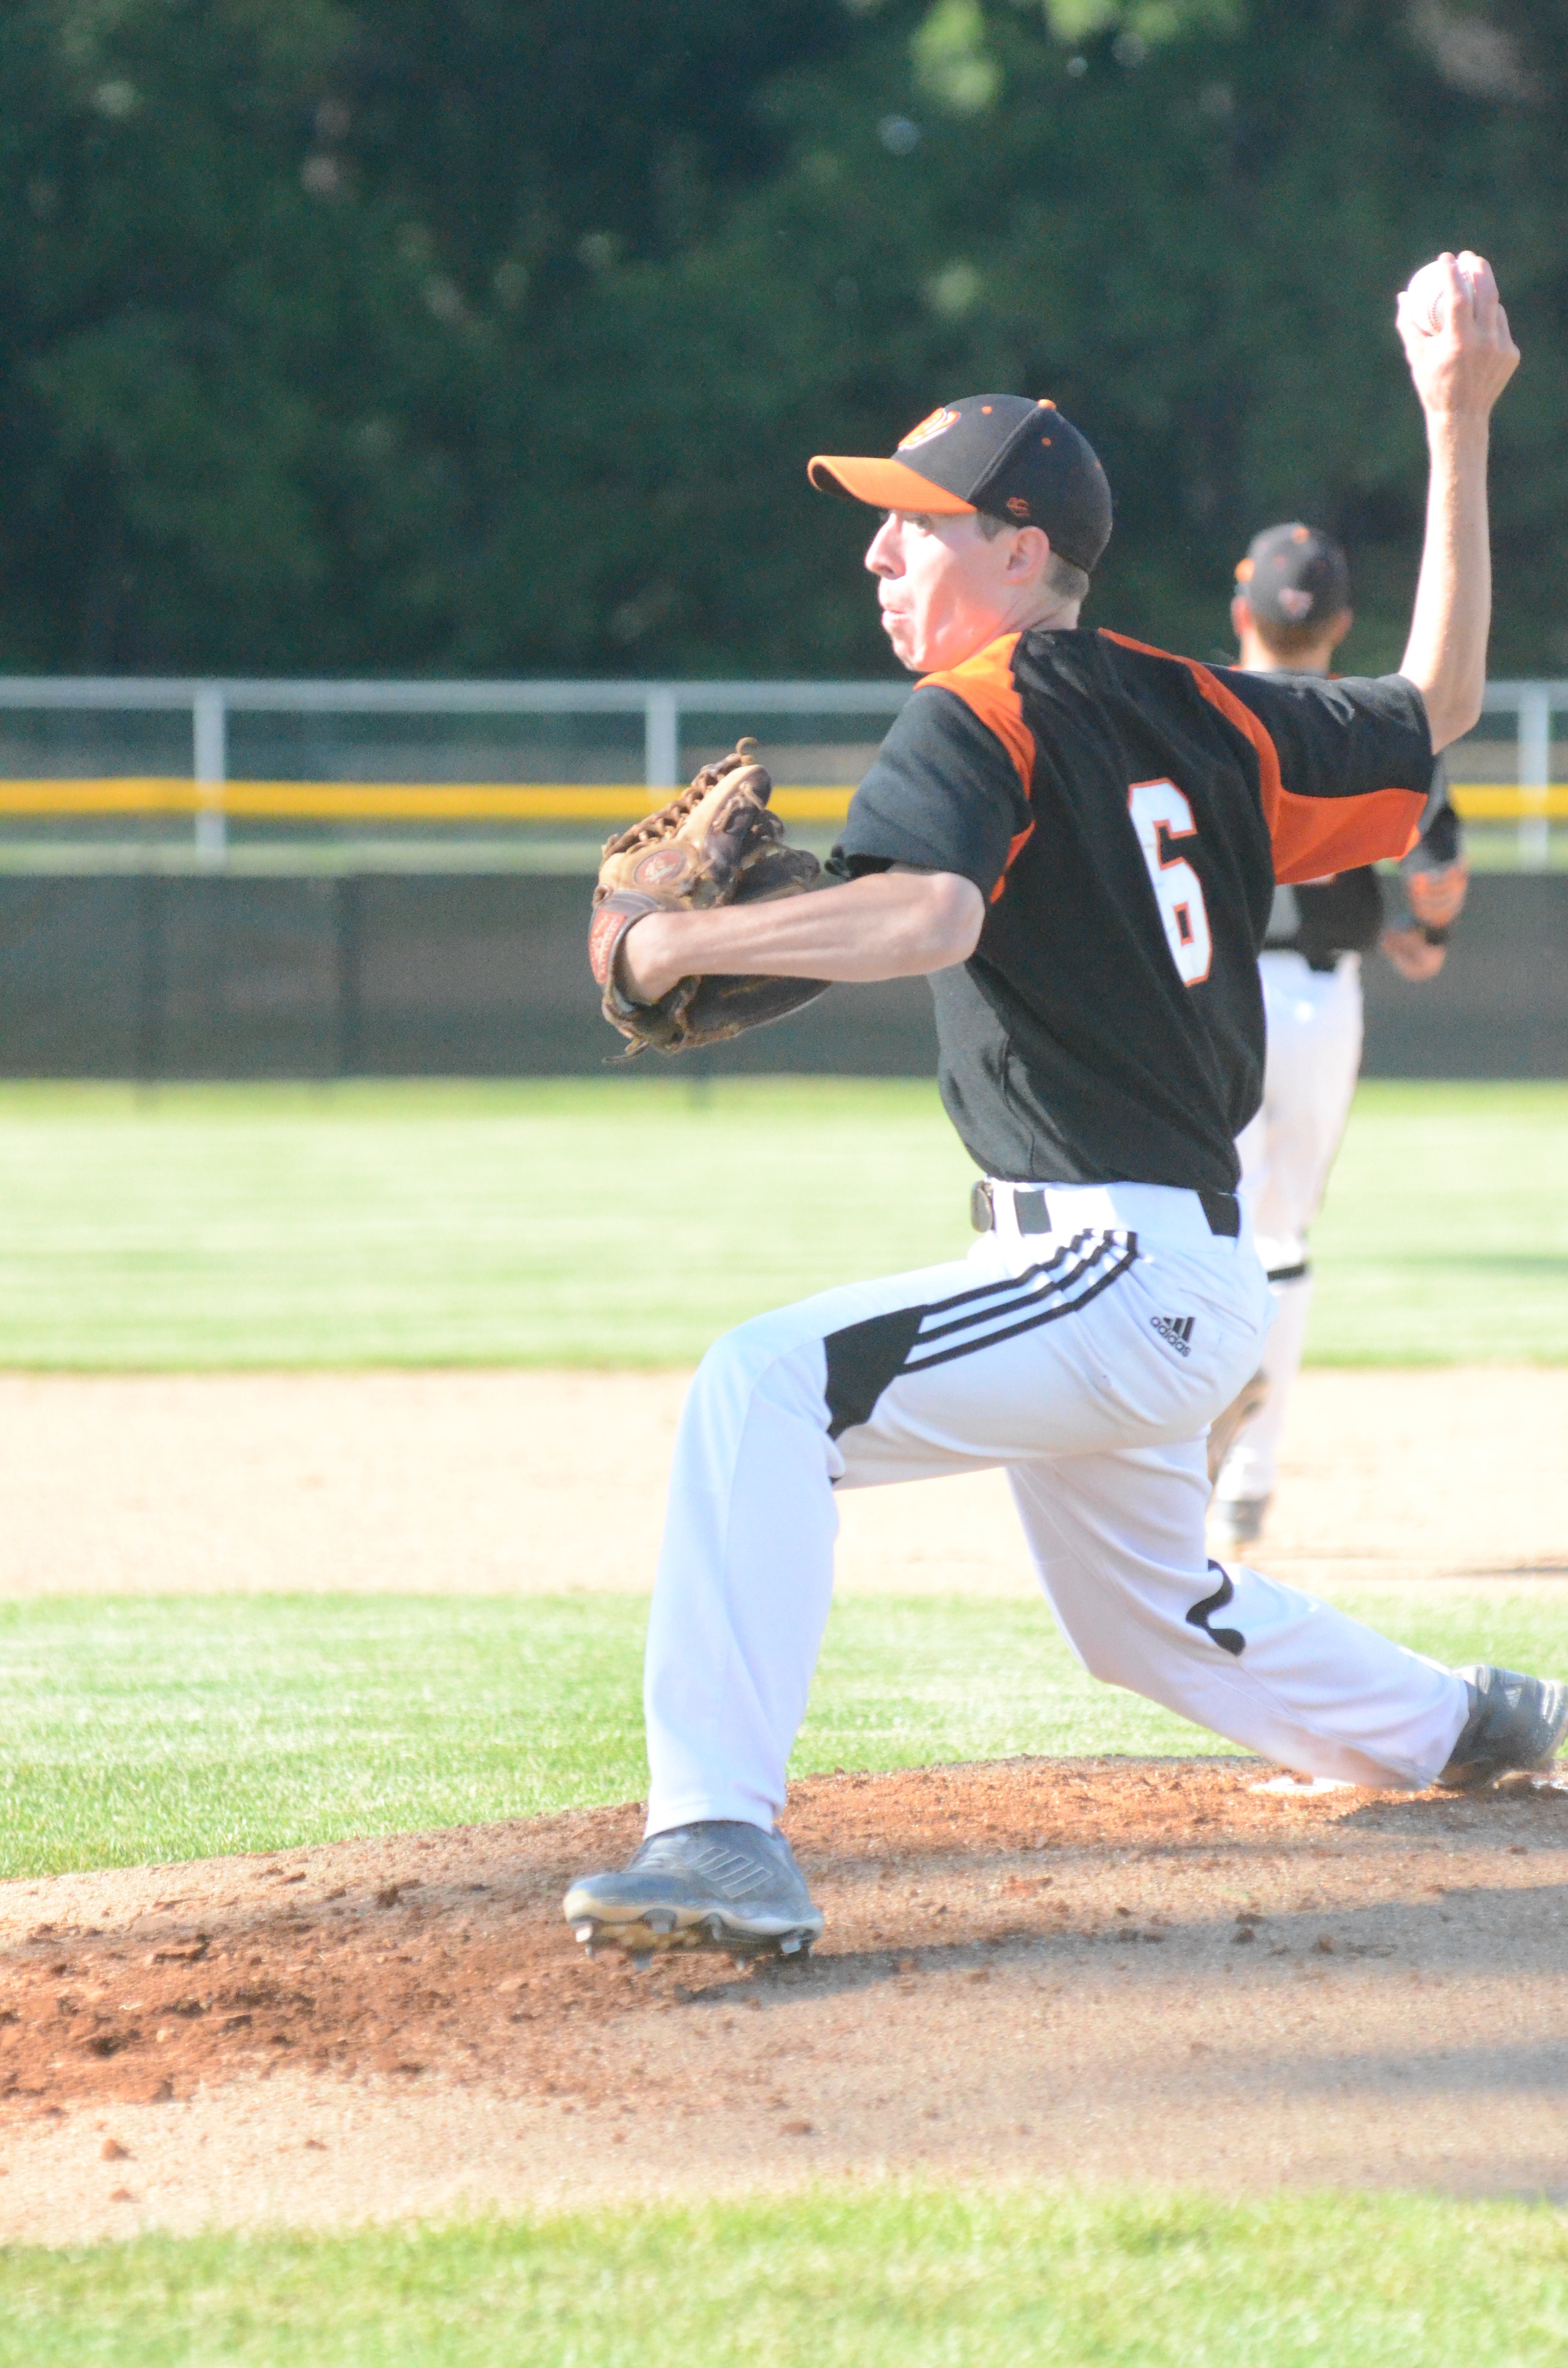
(1169, 1970)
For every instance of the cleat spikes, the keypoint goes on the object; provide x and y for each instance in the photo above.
(583, 1933)
(1517, 1726)
(717, 1884)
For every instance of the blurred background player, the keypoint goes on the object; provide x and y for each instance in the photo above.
(1291, 612)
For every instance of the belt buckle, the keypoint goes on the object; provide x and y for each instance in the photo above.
(982, 1212)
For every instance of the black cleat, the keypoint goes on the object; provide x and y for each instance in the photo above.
(1516, 1726)
(718, 1884)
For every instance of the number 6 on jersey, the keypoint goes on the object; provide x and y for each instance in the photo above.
(1161, 812)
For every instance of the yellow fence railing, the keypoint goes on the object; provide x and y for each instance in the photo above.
(502, 801)
(358, 802)
(1489, 802)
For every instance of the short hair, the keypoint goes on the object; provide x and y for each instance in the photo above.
(1070, 583)
(1288, 641)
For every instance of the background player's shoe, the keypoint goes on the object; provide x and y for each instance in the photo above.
(1250, 1399)
(717, 1884)
(1238, 1522)
(1516, 1725)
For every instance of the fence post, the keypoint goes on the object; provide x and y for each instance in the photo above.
(152, 978)
(210, 732)
(661, 738)
(1534, 773)
(347, 916)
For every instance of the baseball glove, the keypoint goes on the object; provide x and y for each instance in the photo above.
(715, 843)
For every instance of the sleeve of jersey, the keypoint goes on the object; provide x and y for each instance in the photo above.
(1442, 839)
(1344, 767)
(943, 794)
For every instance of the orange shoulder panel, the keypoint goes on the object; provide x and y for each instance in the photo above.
(984, 683)
(1311, 838)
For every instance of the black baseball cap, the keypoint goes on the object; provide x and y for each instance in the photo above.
(1293, 576)
(1014, 458)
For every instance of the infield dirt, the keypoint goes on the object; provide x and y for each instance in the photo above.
(1146, 1971)
(1036, 1970)
(530, 1482)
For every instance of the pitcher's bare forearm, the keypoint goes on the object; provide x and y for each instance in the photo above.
(1446, 655)
(1461, 357)
(890, 925)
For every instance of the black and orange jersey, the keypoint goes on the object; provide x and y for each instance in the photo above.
(1126, 814)
(1320, 920)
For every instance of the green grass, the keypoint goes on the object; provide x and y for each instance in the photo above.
(898, 2278)
(617, 1222)
(1444, 1237)
(161, 1729)
(628, 1220)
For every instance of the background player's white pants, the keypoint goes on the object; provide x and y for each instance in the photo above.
(1044, 1352)
(1315, 1021)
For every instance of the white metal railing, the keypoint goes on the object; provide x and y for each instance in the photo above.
(661, 706)
(1534, 704)
(211, 702)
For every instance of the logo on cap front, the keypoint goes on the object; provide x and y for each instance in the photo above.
(936, 423)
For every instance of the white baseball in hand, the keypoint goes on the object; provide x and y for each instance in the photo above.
(1425, 305)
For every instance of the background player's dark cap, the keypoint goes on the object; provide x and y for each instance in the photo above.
(1015, 460)
(1293, 576)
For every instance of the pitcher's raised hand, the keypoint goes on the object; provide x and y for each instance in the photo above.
(1456, 335)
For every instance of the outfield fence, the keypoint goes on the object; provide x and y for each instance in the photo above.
(122, 773)
(368, 972)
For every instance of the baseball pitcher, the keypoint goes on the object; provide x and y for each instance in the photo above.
(1077, 839)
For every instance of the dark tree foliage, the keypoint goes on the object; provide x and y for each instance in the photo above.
(493, 336)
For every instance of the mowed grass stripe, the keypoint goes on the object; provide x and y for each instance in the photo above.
(1447, 1218)
(153, 1730)
(628, 1220)
(900, 2278)
(623, 1222)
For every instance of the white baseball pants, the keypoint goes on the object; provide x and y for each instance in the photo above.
(1088, 1359)
(1314, 1021)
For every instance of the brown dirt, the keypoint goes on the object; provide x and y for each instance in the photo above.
(474, 1483)
(1101, 1969)
(1030, 1971)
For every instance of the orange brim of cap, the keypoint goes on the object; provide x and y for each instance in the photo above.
(886, 484)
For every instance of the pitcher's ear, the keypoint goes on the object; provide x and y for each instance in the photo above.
(1031, 554)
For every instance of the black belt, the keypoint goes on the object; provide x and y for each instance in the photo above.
(1327, 959)
(1032, 1209)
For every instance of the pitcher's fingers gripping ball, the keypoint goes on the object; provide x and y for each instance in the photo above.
(1424, 303)
(716, 843)
(1456, 335)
